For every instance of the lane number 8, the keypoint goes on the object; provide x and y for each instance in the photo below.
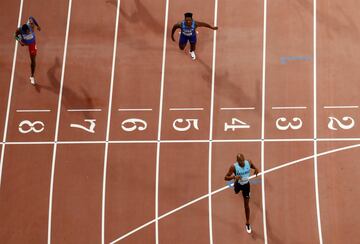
(26, 126)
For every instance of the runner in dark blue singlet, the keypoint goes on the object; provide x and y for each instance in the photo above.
(188, 32)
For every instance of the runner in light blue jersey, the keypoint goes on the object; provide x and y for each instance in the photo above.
(240, 172)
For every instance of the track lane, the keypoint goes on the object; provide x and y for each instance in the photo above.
(238, 69)
(9, 11)
(339, 198)
(190, 85)
(138, 69)
(87, 71)
(44, 95)
(338, 72)
(289, 83)
(290, 194)
(24, 193)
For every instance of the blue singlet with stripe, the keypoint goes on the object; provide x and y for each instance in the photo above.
(188, 30)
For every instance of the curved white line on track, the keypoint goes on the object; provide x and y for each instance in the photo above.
(227, 187)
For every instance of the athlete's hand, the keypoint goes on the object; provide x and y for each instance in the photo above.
(215, 28)
(256, 172)
(21, 43)
(38, 27)
(237, 177)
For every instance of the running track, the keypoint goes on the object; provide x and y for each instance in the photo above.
(128, 128)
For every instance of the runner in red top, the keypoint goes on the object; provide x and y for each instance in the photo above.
(25, 35)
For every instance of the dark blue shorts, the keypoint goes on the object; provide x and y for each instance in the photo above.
(244, 188)
(184, 39)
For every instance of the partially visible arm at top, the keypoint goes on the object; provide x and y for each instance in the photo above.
(203, 24)
(176, 26)
(33, 20)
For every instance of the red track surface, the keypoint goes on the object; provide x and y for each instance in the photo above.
(98, 186)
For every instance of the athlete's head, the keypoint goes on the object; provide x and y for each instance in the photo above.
(25, 28)
(188, 18)
(240, 159)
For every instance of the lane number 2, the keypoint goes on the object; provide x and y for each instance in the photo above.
(346, 124)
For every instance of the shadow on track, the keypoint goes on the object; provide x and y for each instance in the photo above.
(142, 14)
(69, 97)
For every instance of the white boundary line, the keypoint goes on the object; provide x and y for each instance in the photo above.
(212, 123)
(287, 108)
(160, 123)
(317, 202)
(33, 110)
(103, 204)
(10, 94)
(263, 97)
(85, 110)
(134, 109)
(340, 107)
(183, 141)
(58, 123)
(186, 109)
(281, 166)
(231, 109)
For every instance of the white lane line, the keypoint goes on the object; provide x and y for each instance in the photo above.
(10, 94)
(289, 108)
(186, 109)
(29, 143)
(33, 110)
(85, 110)
(240, 108)
(160, 123)
(263, 102)
(317, 202)
(180, 141)
(134, 109)
(281, 166)
(53, 164)
(103, 204)
(212, 123)
(341, 107)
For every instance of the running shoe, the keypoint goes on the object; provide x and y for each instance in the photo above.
(248, 228)
(32, 80)
(193, 56)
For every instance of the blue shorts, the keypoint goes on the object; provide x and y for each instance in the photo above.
(184, 39)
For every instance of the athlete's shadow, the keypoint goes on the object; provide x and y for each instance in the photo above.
(69, 97)
(222, 76)
(142, 14)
